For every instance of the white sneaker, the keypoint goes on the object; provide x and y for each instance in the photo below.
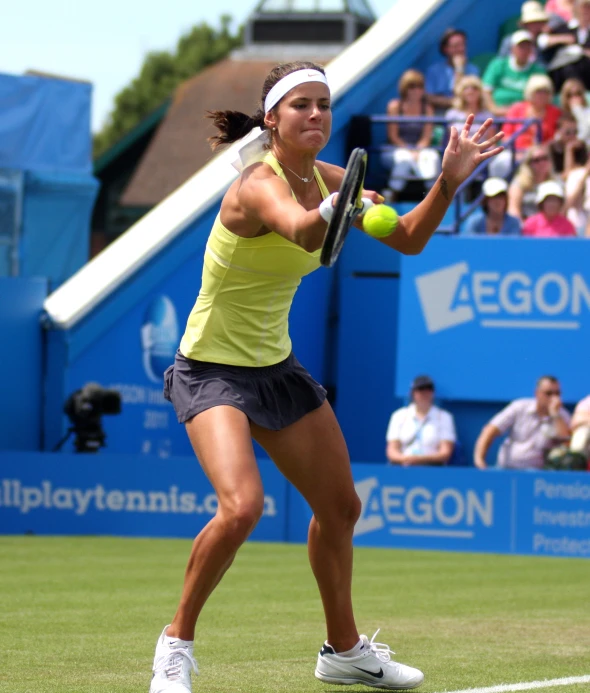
(173, 663)
(372, 667)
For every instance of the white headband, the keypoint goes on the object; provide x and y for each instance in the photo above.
(290, 81)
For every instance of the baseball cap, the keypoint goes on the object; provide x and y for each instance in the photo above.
(494, 186)
(549, 187)
(532, 11)
(422, 382)
(520, 36)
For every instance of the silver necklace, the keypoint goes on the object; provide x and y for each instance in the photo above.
(305, 180)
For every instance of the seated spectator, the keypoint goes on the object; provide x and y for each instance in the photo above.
(538, 94)
(412, 157)
(493, 219)
(505, 79)
(567, 151)
(442, 75)
(549, 222)
(534, 19)
(577, 195)
(543, 27)
(420, 433)
(573, 60)
(535, 169)
(534, 426)
(563, 9)
(580, 425)
(469, 98)
(574, 101)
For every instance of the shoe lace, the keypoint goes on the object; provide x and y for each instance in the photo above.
(172, 663)
(381, 651)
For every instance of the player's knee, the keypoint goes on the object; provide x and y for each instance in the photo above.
(344, 514)
(355, 509)
(241, 518)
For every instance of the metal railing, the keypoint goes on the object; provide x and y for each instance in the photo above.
(461, 213)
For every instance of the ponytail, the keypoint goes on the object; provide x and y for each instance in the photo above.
(232, 126)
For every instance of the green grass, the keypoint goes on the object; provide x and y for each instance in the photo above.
(82, 615)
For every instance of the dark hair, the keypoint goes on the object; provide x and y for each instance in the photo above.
(550, 378)
(446, 37)
(233, 125)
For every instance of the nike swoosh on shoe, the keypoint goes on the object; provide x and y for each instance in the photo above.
(376, 674)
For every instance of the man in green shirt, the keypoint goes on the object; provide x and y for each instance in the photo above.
(505, 78)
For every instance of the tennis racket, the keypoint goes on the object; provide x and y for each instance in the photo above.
(347, 208)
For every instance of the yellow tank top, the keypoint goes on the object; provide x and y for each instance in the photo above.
(241, 316)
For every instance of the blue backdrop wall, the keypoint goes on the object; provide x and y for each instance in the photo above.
(21, 359)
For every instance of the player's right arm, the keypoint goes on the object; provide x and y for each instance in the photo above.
(264, 200)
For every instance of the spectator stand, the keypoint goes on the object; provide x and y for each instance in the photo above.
(361, 135)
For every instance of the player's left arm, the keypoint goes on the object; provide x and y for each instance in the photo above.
(462, 156)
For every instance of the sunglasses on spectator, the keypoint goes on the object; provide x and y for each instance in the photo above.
(537, 159)
(550, 393)
(415, 86)
(576, 93)
(570, 131)
(424, 388)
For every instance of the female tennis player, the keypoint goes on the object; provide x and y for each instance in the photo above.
(235, 377)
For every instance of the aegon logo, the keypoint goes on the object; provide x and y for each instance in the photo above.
(453, 295)
(418, 511)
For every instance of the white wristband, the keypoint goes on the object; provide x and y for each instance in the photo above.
(367, 204)
(326, 208)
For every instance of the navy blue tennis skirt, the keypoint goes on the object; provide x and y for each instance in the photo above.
(272, 397)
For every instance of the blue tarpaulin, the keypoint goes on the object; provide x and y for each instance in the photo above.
(56, 218)
(45, 124)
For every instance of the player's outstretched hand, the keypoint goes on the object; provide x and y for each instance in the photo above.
(464, 153)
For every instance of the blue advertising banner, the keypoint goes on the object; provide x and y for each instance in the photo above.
(44, 493)
(552, 517)
(465, 510)
(442, 509)
(485, 319)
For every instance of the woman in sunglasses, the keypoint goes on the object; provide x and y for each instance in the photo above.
(574, 101)
(567, 150)
(534, 170)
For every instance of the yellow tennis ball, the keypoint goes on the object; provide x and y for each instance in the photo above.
(380, 221)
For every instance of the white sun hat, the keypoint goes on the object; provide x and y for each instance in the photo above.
(494, 186)
(532, 11)
(548, 188)
(520, 36)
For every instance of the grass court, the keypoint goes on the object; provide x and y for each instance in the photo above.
(81, 615)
